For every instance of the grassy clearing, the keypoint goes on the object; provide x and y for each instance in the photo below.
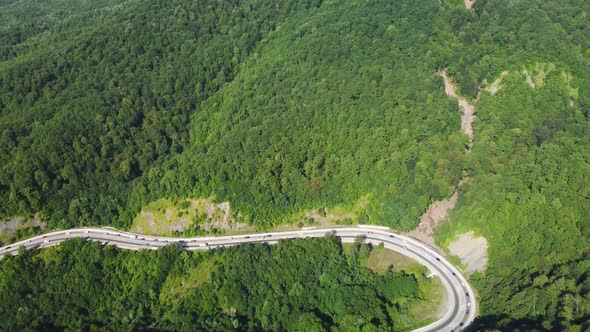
(428, 307)
(381, 259)
(344, 214)
(178, 287)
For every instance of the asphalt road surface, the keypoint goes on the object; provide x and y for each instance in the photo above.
(461, 303)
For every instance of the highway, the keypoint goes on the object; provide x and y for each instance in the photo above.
(462, 306)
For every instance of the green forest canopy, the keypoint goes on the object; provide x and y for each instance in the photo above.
(280, 106)
(295, 285)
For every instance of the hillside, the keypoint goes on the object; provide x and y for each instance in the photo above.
(285, 107)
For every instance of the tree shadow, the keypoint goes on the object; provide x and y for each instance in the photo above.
(506, 323)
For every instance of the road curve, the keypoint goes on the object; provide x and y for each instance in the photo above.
(462, 306)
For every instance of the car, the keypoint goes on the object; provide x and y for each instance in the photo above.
(461, 324)
(46, 241)
(8, 247)
(469, 304)
(44, 236)
(391, 236)
(193, 240)
(86, 232)
(67, 233)
(454, 273)
(438, 259)
(467, 294)
(247, 237)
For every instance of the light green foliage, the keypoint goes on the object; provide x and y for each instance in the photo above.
(294, 285)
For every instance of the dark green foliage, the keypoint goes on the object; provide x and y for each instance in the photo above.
(280, 106)
(90, 103)
(294, 285)
(330, 108)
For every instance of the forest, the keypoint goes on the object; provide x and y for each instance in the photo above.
(284, 106)
(295, 285)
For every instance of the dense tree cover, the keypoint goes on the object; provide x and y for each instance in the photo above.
(529, 196)
(281, 106)
(91, 123)
(296, 285)
(93, 98)
(529, 189)
(331, 107)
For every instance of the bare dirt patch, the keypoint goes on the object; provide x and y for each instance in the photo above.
(9, 227)
(473, 251)
(469, 4)
(495, 87)
(163, 217)
(467, 108)
(434, 214)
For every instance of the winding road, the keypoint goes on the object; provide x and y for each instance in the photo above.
(461, 302)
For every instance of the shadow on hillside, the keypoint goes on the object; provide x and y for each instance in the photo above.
(505, 323)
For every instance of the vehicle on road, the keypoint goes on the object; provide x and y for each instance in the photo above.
(463, 312)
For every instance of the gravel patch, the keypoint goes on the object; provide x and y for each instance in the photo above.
(473, 252)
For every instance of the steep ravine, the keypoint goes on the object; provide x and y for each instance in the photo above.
(470, 249)
(439, 210)
(467, 108)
